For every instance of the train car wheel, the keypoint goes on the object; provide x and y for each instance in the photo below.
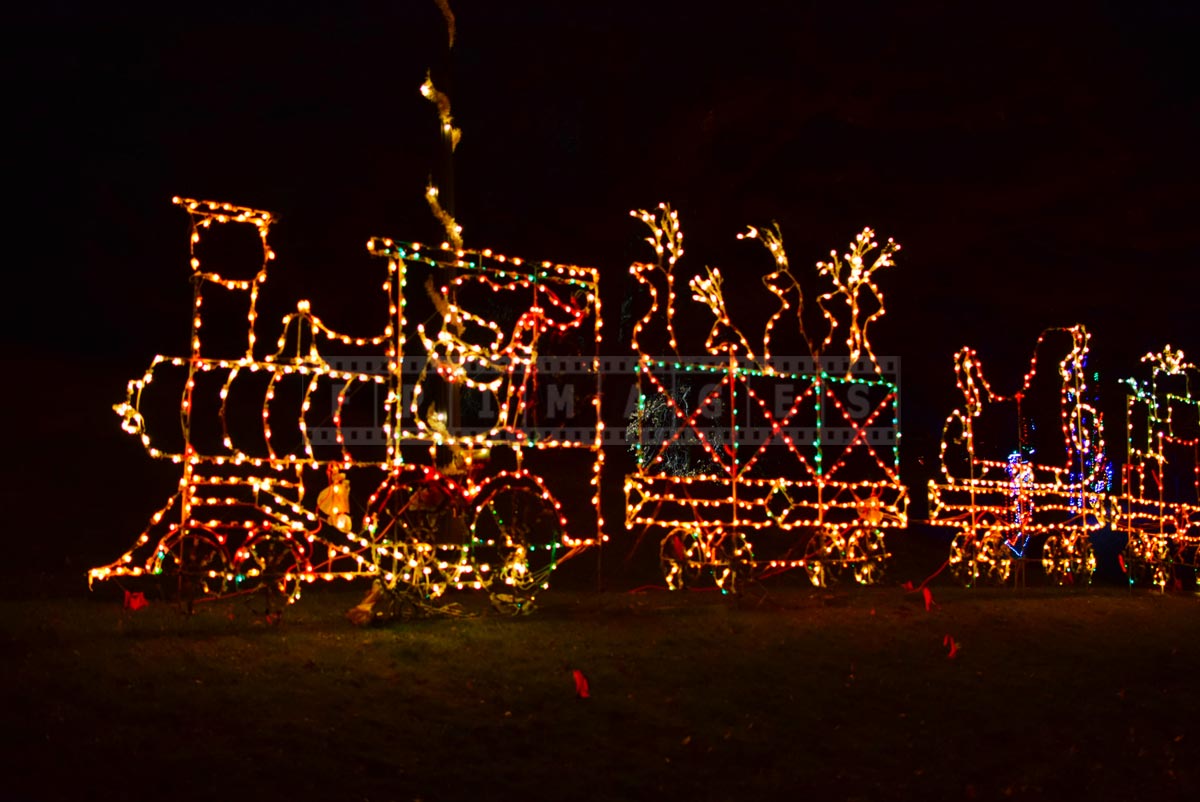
(964, 558)
(681, 558)
(1146, 559)
(1055, 560)
(733, 563)
(823, 556)
(995, 559)
(1160, 576)
(866, 553)
(1068, 558)
(1083, 559)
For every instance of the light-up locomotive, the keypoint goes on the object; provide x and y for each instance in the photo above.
(437, 411)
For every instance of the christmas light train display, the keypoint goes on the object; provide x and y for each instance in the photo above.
(774, 463)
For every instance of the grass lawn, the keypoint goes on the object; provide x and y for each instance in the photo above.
(794, 693)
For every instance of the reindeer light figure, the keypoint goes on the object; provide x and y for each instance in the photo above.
(723, 337)
(781, 282)
(850, 275)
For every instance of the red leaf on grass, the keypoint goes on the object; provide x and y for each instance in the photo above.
(953, 644)
(581, 684)
(929, 602)
(135, 600)
(907, 586)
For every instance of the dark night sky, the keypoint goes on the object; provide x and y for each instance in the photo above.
(1037, 161)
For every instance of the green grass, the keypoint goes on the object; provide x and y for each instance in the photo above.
(845, 694)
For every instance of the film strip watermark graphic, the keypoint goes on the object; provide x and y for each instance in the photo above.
(560, 405)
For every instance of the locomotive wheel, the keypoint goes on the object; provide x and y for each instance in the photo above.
(865, 554)
(681, 558)
(271, 563)
(964, 562)
(412, 506)
(398, 601)
(419, 573)
(823, 557)
(1085, 560)
(196, 566)
(406, 517)
(520, 530)
(384, 603)
(399, 605)
(1158, 575)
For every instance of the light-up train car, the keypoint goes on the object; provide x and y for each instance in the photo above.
(438, 412)
(748, 463)
(1007, 486)
(1158, 507)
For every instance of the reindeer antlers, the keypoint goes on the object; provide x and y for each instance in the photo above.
(849, 276)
